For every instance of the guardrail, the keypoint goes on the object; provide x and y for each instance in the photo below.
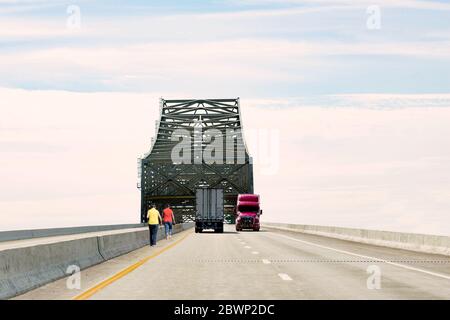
(29, 267)
(407, 241)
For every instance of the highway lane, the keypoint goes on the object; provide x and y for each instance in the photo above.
(269, 264)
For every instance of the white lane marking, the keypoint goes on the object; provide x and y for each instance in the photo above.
(265, 261)
(284, 277)
(439, 275)
(247, 247)
(255, 252)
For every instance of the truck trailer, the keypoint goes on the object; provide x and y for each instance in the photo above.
(209, 210)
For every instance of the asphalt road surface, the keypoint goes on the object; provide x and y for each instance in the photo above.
(269, 264)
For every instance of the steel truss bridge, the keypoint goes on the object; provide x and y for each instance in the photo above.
(170, 174)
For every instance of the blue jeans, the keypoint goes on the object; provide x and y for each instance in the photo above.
(153, 228)
(168, 228)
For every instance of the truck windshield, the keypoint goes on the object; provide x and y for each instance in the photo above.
(248, 209)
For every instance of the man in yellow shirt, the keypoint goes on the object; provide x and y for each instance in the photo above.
(154, 221)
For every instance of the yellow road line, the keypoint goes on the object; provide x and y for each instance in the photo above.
(90, 292)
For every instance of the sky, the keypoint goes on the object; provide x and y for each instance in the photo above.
(345, 105)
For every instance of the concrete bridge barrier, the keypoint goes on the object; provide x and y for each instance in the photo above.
(25, 267)
(54, 232)
(117, 244)
(407, 241)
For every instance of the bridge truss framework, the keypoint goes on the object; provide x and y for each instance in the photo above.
(165, 181)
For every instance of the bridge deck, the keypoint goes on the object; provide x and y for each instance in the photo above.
(266, 265)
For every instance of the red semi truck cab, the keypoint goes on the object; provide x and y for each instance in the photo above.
(248, 212)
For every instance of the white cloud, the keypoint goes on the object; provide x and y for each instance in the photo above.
(26, 6)
(33, 29)
(252, 48)
(360, 167)
(414, 4)
(213, 64)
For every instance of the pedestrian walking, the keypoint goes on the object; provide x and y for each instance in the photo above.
(154, 221)
(169, 221)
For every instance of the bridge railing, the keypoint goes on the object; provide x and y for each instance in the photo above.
(425, 243)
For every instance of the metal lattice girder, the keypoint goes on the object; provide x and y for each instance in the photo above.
(164, 180)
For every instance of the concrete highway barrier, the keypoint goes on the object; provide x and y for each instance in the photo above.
(114, 245)
(43, 233)
(407, 241)
(25, 268)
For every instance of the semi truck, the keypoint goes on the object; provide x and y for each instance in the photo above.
(209, 210)
(248, 212)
